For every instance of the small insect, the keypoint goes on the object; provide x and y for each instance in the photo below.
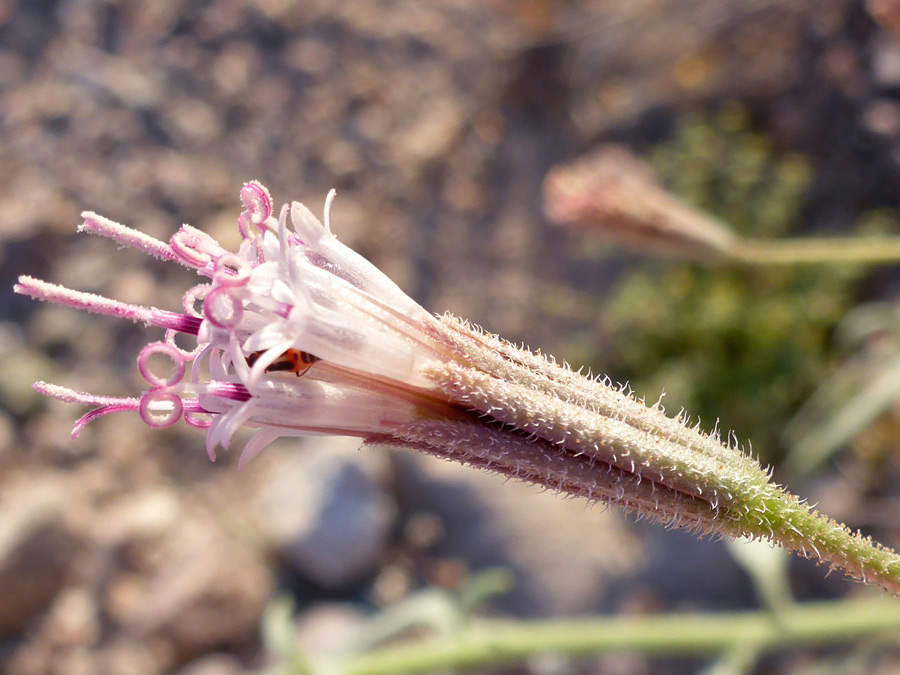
(292, 361)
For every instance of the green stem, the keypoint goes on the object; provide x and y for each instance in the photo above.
(815, 251)
(493, 642)
(780, 517)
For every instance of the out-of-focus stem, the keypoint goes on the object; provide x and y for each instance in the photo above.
(502, 642)
(817, 251)
(614, 194)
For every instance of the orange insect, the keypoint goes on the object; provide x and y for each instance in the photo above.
(292, 361)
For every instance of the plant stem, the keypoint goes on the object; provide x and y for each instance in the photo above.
(493, 642)
(816, 251)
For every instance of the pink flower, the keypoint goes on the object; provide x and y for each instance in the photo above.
(297, 335)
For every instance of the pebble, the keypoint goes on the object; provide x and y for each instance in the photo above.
(882, 117)
(37, 547)
(886, 62)
(324, 510)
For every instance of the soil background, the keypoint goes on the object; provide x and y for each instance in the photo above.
(126, 550)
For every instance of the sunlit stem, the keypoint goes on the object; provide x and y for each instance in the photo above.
(818, 251)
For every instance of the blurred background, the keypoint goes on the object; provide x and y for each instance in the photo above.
(438, 122)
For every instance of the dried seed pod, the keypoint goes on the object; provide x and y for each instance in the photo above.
(614, 194)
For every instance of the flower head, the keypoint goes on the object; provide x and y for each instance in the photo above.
(296, 334)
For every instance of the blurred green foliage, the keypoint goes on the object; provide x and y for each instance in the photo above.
(742, 345)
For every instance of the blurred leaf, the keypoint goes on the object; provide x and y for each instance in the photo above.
(860, 391)
(738, 660)
(278, 636)
(767, 565)
(484, 586)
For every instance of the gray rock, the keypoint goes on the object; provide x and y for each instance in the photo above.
(882, 117)
(204, 590)
(324, 510)
(37, 548)
(886, 62)
(565, 554)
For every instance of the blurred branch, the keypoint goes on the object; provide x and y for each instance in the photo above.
(613, 193)
(485, 643)
(818, 251)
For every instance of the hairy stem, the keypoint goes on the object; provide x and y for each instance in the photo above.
(567, 430)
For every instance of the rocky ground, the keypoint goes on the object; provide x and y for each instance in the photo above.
(126, 551)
